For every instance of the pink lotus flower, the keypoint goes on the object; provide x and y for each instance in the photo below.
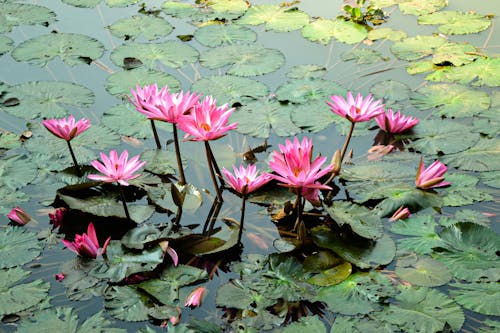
(246, 180)
(400, 214)
(296, 169)
(59, 277)
(67, 129)
(395, 122)
(356, 110)
(86, 244)
(195, 297)
(117, 169)
(57, 217)
(19, 216)
(207, 121)
(432, 176)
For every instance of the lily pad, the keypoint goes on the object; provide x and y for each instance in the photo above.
(160, 162)
(82, 3)
(463, 191)
(47, 98)
(73, 49)
(309, 323)
(16, 171)
(360, 219)
(466, 215)
(218, 34)
(322, 30)
(6, 44)
(244, 60)
(80, 285)
(306, 72)
(417, 7)
(332, 276)
(386, 33)
(309, 90)
(275, 17)
(315, 121)
(171, 53)
(9, 140)
(491, 178)
(414, 48)
(426, 272)
(19, 246)
(14, 14)
(149, 27)
(478, 73)
(391, 91)
(455, 54)
(349, 324)
(483, 298)
(421, 229)
(125, 303)
(456, 23)
(481, 157)
(363, 56)
(11, 199)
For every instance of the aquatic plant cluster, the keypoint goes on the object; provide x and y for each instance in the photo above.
(335, 239)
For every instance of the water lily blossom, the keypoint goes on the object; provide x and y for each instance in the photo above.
(246, 179)
(400, 214)
(67, 128)
(57, 217)
(195, 297)
(357, 109)
(432, 176)
(395, 122)
(19, 216)
(117, 169)
(60, 276)
(86, 244)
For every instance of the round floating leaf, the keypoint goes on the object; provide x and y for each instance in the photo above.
(19, 246)
(16, 171)
(120, 83)
(466, 215)
(79, 284)
(120, 3)
(9, 140)
(125, 303)
(478, 73)
(422, 231)
(391, 90)
(414, 48)
(306, 324)
(82, 3)
(363, 56)
(457, 23)
(171, 53)
(332, 276)
(275, 17)
(426, 272)
(308, 90)
(420, 309)
(491, 178)
(359, 293)
(361, 220)
(6, 44)
(315, 121)
(19, 297)
(463, 191)
(46, 99)
(418, 7)
(455, 54)
(257, 118)
(244, 60)
(483, 298)
(451, 100)
(179, 9)
(231, 6)
(73, 49)
(218, 34)
(14, 14)
(306, 72)
(160, 162)
(386, 33)
(322, 30)
(149, 27)
(442, 137)
(481, 157)
(349, 324)
(11, 199)
(231, 89)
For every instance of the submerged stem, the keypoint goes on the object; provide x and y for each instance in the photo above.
(212, 174)
(182, 178)
(155, 134)
(77, 167)
(124, 202)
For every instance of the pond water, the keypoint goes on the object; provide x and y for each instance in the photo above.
(345, 267)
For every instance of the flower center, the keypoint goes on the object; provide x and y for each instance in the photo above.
(205, 126)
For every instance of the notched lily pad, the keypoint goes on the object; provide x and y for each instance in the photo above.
(360, 219)
(275, 17)
(19, 246)
(309, 90)
(414, 48)
(426, 272)
(149, 27)
(363, 56)
(322, 30)
(481, 157)
(218, 34)
(14, 14)
(483, 71)
(6, 44)
(456, 23)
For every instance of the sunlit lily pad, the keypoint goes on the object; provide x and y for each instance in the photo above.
(232, 6)
(308, 90)
(454, 53)
(481, 157)
(483, 298)
(149, 27)
(257, 118)
(386, 33)
(478, 73)
(231, 89)
(19, 246)
(451, 100)
(418, 7)
(171, 53)
(73, 49)
(360, 219)
(9, 140)
(322, 30)
(16, 171)
(414, 48)
(363, 56)
(47, 98)
(218, 34)
(456, 23)
(6, 44)
(332, 276)
(275, 17)
(306, 72)
(422, 231)
(463, 190)
(120, 83)
(426, 272)
(14, 14)
(126, 303)
(391, 91)
(244, 60)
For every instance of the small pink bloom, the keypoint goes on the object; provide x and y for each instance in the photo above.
(57, 217)
(195, 297)
(246, 180)
(206, 121)
(60, 277)
(117, 169)
(395, 122)
(19, 216)
(356, 110)
(400, 214)
(296, 169)
(432, 176)
(66, 129)
(86, 244)
(170, 251)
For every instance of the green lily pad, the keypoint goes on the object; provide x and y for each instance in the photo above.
(491, 178)
(306, 324)
(80, 285)
(19, 246)
(149, 27)
(332, 276)
(275, 17)
(451, 100)
(417, 7)
(82, 3)
(455, 54)
(386, 33)
(73, 49)
(463, 191)
(171, 53)
(18, 297)
(363, 56)
(377, 172)
(120, 83)
(9, 140)
(231, 89)
(359, 293)
(423, 66)
(456, 23)
(360, 219)
(421, 230)
(14, 14)
(143, 234)
(160, 162)
(391, 91)
(16, 171)
(306, 72)
(421, 309)
(349, 324)
(47, 98)
(308, 90)
(478, 73)
(483, 298)
(243, 60)
(163, 196)
(315, 121)
(322, 30)
(414, 48)
(257, 118)
(11, 199)
(218, 34)
(232, 6)
(426, 272)
(481, 157)
(6, 44)
(125, 303)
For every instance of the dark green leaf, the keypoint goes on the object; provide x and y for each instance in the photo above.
(361, 220)
(19, 246)
(125, 303)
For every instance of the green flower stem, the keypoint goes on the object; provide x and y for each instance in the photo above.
(77, 167)
(298, 204)
(124, 202)
(242, 218)
(215, 165)
(155, 134)
(182, 178)
(346, 143)
(212, 174)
